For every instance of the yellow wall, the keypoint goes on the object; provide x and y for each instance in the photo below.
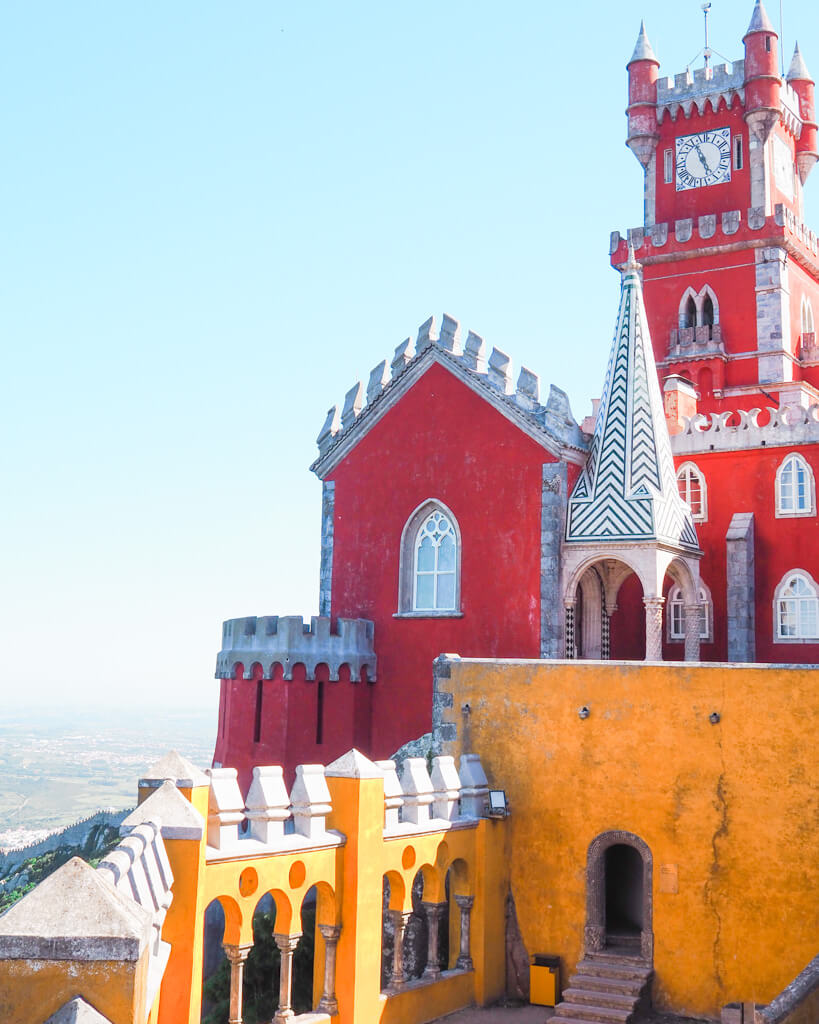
(733, 807)
(32, 990)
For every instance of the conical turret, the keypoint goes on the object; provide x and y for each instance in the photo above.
(642, 99)
(807, 145)
(762, 81)
(627, 491)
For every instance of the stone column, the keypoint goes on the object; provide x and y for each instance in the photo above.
(434, 912)
(464, 961)
(654, 628)
(605, 634)
(570, 651)
(399, 924)
(237, 956)
(287, 947)
(692, 632)
(328, 1002)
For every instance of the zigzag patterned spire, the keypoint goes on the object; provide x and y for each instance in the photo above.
(627, 490)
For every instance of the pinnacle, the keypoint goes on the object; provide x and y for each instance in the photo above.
(760, 22)
(642, 48)
(798, 71)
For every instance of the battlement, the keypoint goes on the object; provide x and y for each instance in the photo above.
(741, 429)
(285, 640)
(718, 229)
(269, 820)
(492, 368)
(689, 90)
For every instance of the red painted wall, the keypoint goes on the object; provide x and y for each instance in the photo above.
(440, 441)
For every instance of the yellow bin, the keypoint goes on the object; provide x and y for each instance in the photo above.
(544, 980)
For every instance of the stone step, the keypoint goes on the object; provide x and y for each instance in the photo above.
(589, 1012)
(614, 969)
(596, 997)
(601, 983)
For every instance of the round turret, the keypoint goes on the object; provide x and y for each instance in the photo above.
(807, 145)
(762, 81)
(642, 99)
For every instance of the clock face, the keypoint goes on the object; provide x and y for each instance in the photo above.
(703, 159)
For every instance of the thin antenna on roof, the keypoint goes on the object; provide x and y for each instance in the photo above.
(781, 40)
(707, 51)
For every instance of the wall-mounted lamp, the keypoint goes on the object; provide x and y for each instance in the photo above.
(465, 709)
(497, 806)
(583, 712)
(714, 717)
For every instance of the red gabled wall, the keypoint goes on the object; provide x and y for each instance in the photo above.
(440, 441)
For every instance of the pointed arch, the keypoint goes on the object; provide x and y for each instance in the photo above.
(429, 572)
(688, 309)
(806, 319)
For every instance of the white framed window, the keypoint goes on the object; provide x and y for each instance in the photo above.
(699, 309)
(691, 485)
(430, 563)
(806, 317)
(795, 488)
(796, 608)
(668, 166)
(675, 615)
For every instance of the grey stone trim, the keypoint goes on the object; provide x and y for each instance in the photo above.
(552, 425)
(773, 314)
(328, 509)
(739, 430)
(177, 817)
(444, 729)
(803, 986)
(554, 491)
(77, 1011)
(595, 931)
(285, 640)
(687, 91)
(740, 588)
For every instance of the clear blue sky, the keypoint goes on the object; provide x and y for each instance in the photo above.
(216, 218)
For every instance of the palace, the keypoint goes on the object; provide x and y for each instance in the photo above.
(606, 799)
(462, 513)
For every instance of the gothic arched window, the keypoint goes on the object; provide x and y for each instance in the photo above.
(691, 485)
(797, 608)
(795, 489)
(807, 317)
(690, 313)
(430, 568)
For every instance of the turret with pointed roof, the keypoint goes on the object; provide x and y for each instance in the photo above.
(627, 490)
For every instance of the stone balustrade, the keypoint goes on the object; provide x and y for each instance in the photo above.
(740, 429)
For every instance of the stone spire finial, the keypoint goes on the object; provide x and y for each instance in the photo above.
(642, 48)
(760, 22)
(798, 71)
(631, 265)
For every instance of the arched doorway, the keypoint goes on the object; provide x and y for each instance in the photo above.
(619, 896)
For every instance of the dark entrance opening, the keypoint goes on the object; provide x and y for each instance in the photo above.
(624, 895)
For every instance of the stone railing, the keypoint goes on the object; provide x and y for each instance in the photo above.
(285, 640)
(798, 1003)
(494, 368)
(740, 430)
(718, 228)
(696, 341)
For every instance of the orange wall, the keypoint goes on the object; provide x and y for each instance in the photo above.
(732, 806)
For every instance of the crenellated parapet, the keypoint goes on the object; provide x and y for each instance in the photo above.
(731, 228)
(741, 429)
(690, 90)
(485, 369)
(285, 640)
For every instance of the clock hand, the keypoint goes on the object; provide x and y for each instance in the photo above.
(703, 161)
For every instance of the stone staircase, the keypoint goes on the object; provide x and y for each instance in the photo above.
(607, 988)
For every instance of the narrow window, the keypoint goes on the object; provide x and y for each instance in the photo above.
(435, 551)
(668, 166)
(768, 44)
(708, 315)
(797, 609)
(690, 314)
(691, 485)
(807, 317)
(795, 495)
(257, 724)
(320, 712)
(737, 152)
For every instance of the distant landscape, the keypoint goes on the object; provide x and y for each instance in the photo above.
(59, 765)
